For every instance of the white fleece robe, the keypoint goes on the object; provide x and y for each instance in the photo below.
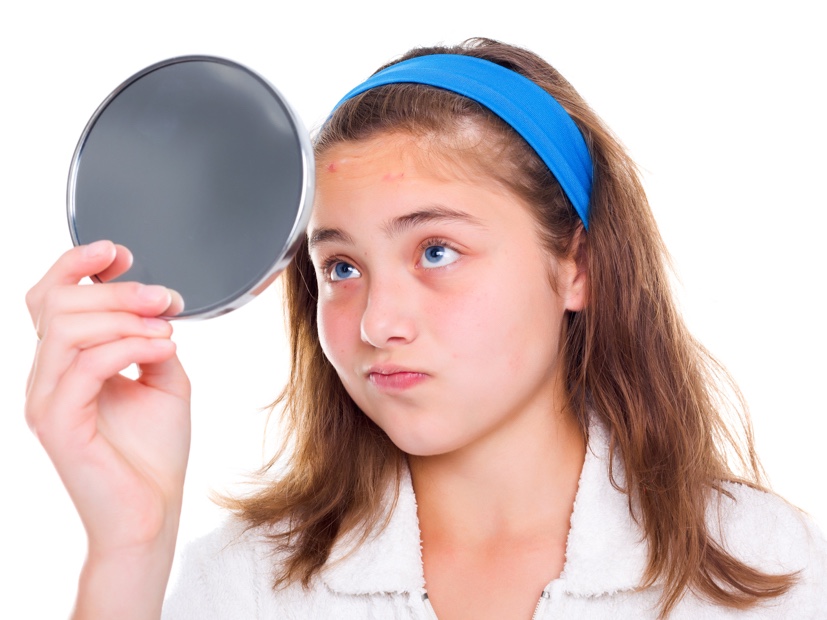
(228, 573)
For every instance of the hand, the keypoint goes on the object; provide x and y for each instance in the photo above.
(119, 445)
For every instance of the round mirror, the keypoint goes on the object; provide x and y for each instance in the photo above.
(203, 171)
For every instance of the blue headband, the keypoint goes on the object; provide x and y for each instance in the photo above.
(527, 108)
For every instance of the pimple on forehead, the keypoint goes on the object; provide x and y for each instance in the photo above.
(389, 167)
(344, 164)
(337, 163)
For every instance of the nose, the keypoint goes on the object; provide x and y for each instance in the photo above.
(389, 318)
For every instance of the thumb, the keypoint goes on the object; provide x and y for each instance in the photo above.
(168, 376)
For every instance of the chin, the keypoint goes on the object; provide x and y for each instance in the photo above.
(415, 431)
(434, 444)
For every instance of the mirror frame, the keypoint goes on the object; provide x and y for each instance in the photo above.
(301, 220)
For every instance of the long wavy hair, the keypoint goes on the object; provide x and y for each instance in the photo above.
(627, 357)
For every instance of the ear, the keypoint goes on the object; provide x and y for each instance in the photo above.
(574, 274)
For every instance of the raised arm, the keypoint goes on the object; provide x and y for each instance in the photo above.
(119, 445)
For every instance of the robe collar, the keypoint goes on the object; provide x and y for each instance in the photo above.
(606, 550)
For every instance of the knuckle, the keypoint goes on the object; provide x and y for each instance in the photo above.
(50, 301)
(129, 292)
(34, 419)
(187, 387)
(29, 415)
(32, 296)
(134, 287)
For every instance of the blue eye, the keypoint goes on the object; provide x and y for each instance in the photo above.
(343, 271)
(437, 256)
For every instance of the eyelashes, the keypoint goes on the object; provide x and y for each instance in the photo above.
(433, 253)
(336, 270)
(437, 253)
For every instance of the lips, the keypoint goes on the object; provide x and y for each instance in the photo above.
(395, 378)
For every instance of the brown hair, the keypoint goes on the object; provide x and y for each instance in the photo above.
(628, 358)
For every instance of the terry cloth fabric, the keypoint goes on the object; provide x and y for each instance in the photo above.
(228, 574)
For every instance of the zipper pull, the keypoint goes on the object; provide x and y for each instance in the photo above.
(540, 604)
(429, 609)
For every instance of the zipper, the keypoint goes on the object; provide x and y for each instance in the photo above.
(540, 604)
(432, 614)
(429, 609)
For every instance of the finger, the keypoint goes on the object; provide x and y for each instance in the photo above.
(176, 305)
(69, 334)
(168, 376)
(121, 264)
(72, 416)
(140, 299)
(75, 264)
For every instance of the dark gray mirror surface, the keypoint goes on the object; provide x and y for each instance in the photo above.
(201, 169)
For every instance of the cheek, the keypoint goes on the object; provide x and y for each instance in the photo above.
(505, 324)
(338, 327)
(473, 326)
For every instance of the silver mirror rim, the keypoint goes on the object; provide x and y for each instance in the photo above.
(294, 239)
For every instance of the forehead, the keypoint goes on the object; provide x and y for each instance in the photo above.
(466, 151)
(384, 153)
(395, 168)
(381, 187)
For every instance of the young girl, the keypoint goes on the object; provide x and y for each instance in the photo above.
(494, 409)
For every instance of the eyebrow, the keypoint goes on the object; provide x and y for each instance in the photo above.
(326, 235)
(436, 213)
(398, 225)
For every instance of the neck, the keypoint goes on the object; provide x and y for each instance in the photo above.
(519, 483)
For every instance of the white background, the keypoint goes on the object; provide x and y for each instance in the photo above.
(721, 103)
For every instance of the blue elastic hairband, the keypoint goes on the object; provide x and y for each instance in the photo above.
(527, 108)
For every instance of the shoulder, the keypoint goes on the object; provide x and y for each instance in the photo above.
(762, 528)
(222, 574)
(229, 573)
(768, 533)
(232, 545)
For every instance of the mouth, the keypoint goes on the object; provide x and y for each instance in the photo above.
(394, 378)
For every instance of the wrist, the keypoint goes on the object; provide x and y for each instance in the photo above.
(126, 583)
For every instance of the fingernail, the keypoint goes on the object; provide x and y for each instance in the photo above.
(96, 249)
(176, 304)
(154, 293)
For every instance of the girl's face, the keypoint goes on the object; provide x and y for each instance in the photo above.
(435, 300)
